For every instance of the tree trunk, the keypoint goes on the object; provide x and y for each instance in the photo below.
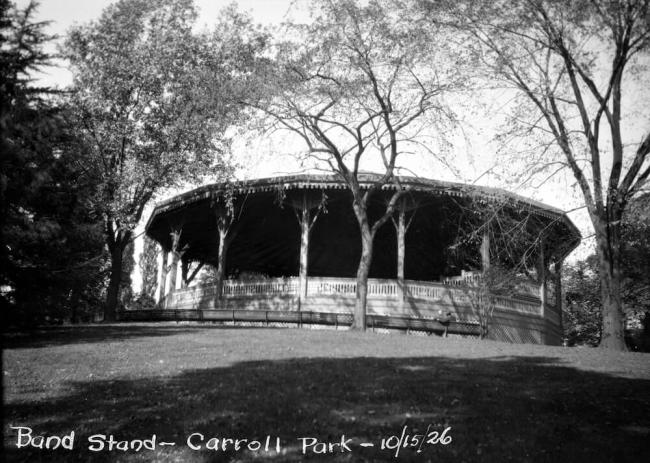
(359, 322)
(613, 334)
(113, 291)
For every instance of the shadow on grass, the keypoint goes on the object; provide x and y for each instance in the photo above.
(499, 409)
(61, 335)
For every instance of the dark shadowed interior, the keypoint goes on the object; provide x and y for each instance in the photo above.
(267, 231)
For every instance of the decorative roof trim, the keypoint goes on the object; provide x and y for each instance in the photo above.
(366, 180)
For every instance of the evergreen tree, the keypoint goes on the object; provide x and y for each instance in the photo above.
(50, 256)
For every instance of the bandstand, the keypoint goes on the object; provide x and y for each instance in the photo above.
(286, 249)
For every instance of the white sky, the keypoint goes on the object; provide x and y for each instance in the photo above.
(473, 153)
(65, 13)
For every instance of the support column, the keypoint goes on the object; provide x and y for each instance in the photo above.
(558, 292)
(173, 267)
(173, 270)
(304, 251)
(221, 257)
(177, 254)
(302, 207)
(225, 212)
(401, 245)
(541, 277)
(400, 227)
(163, 276)
(485, 249)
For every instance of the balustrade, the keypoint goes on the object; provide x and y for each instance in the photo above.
(321, 286)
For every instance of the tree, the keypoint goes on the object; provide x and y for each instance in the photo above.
(50, 251)
(149, 268)
(507, 246)
(569, 64)
(582, 281)
(353, 87)
(153, 99)
(583, 316)
(483, 294)
(636, 259)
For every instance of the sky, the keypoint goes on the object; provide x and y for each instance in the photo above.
(65, 13)
(264, 157)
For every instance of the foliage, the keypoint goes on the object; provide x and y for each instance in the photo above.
(636, 257)
(126, 285)
(568, 65)
(51, 244)
(483, 293)
(149, 267)
(153, 99)
(582, 285)
(582, 314)
(357, 88)
(513, 229)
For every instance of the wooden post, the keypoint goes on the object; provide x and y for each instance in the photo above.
(225, 215)
(558, 292)
(485, 249)
(401, 228)
(221, 258)
(401, 250)
(163, 277)
(304, 251)
(177, 254)
(541, 276)
(302, 207)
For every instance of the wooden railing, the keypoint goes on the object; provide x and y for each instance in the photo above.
(267, 286)
(348, 286)
(270, 286)
(466, 277)
(322, 286)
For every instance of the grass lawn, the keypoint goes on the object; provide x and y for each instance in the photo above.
(501, 402)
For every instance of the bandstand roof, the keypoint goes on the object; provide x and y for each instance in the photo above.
(269, 231)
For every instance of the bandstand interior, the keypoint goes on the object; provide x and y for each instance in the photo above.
(441, 250)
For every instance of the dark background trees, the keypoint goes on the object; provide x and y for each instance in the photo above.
(583, 320)
(147, 111)
(152, 99)
(51, 252)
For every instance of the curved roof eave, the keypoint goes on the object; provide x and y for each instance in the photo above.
(331, 181)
